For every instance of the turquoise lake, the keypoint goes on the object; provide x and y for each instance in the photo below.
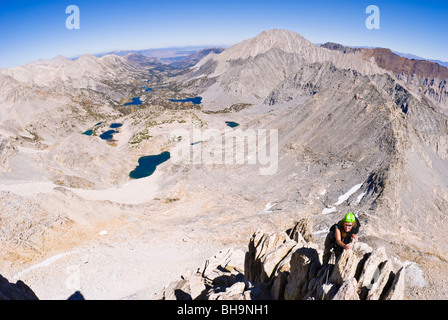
(232, 124)
(88, 132)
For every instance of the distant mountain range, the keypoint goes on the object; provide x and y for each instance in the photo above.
(170, 54)
(175, 55)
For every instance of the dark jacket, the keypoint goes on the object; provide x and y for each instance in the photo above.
(348, 237)
(340, 226)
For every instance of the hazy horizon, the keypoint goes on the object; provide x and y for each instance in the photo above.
(33, 30)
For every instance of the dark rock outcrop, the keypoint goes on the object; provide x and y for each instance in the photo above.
(17, 291)
(340, 47)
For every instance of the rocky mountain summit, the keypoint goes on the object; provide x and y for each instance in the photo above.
(249, 70)
(285, 266)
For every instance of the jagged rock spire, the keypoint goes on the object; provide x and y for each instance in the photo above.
(278, 267)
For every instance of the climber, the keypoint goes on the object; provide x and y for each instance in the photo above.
(341, 236)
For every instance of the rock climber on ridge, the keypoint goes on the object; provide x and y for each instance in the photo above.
(340, 236)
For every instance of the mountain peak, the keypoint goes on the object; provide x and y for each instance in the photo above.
(87, 57)
(280, 32)
(284, 40)
(277, 48)
(61, 58)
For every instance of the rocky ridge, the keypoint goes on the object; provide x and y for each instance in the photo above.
(286, 266)
(425, 77)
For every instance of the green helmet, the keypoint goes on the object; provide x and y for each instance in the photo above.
(350, 217)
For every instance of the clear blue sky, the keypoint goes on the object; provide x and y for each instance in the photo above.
(30, 30)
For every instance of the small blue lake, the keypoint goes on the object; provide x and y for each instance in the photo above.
(149, 89)
(148, 164)
(232, 124)
(135, 101)
(88, 132)
(196, 100)
(108, 135)
(116, 125)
